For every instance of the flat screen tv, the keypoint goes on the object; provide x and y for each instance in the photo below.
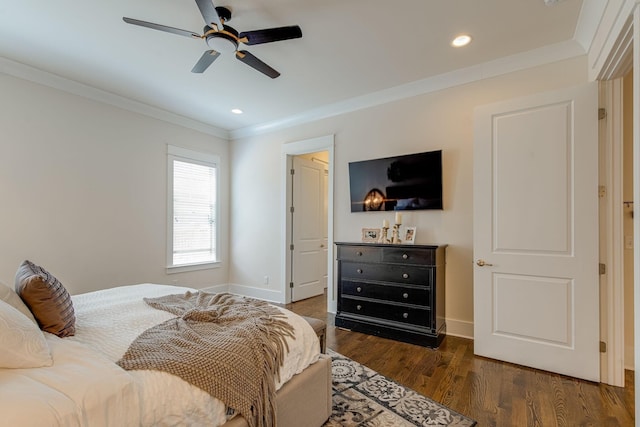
(408, 182)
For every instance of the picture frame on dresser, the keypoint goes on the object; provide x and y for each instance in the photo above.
(410, 235)
(370, 235)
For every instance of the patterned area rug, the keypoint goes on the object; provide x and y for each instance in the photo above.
(364, 398)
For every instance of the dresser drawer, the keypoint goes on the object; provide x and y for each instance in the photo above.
(409, 256)
(359, 253)
(386, 272)
(396, 313)
(405, 294)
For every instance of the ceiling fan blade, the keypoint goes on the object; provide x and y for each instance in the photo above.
(254, 62)
(205, 60)
(208, 11)
(270, 35)
(164, 28)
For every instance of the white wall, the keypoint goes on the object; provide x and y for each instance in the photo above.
(439, 120)
(83, 190)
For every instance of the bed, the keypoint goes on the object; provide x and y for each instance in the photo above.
(83, 386)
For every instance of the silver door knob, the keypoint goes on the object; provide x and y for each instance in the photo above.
(483, 263)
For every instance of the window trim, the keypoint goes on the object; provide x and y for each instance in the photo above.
(205, 159)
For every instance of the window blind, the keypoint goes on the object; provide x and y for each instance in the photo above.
(194, 213)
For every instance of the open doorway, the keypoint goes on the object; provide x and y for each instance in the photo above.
(308, 219)
(627, 218)
(306, 151)
(616, 228)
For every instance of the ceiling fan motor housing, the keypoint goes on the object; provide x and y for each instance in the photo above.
(225, 41)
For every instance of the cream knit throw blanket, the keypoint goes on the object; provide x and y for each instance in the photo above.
(229, 346)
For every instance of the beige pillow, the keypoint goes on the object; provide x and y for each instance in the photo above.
(9, 296)
(48, 300)
(23, 344)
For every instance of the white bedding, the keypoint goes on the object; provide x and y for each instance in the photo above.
(108, 321)
(84, 387)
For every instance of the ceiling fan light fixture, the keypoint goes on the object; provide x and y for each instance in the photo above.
(222, 44)
(461, 40)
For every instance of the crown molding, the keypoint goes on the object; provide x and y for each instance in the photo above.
(541, 56)
(521, 61)
(589, 20)
(35, 75)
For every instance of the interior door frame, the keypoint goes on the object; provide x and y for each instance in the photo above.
(621, 55)
(612, 282)
(618, 51)
(289, 150)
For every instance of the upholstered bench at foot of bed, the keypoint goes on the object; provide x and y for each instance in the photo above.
(306, 396)
(320, 328)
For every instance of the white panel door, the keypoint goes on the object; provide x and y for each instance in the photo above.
(309, 256)
(536, 278)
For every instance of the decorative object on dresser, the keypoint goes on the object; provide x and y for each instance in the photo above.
(392, 291)
(410, 235)
(370, 235)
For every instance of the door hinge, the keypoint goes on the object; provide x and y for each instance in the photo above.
(602, 113)
(291, 209)
(291, 247)
(292, 171)
(291, 284)
(602, 268)
(603, 347)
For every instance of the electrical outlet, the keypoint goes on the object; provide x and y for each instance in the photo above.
(266, 280)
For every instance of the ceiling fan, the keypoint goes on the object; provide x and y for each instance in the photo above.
(222, 38)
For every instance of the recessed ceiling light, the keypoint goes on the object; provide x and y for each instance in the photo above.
(461, 40)
(237, 111)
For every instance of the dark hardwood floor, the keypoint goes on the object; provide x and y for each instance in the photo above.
(491, 392)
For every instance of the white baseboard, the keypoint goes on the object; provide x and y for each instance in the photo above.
(258, 293)
(629, 362)
(216, 288)
(460, 328)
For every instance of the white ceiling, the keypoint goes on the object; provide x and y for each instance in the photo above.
(349, 49)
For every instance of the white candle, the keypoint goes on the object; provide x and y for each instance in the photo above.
(385, 223)
(398, 218)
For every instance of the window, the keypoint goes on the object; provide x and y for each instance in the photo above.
(193, 220)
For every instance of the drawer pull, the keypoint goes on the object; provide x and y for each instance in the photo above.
(405, 256)
(405, 276)
(359, 289)
(359, 307)
(359, 253)
(405, 295)
(405, 315)
(359, 270)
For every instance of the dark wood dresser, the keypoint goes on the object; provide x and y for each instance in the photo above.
(392, 291)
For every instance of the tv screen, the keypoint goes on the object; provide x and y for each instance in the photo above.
(409, 182)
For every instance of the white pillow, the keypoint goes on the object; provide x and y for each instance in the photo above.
(10, 296)
(23, 343)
